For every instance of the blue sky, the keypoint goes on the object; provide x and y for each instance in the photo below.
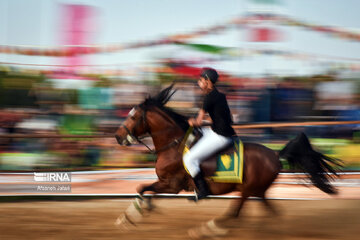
(37, 22)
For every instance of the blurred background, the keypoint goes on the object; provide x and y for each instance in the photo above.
(78, 67)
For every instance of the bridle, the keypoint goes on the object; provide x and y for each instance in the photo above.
(130, 133)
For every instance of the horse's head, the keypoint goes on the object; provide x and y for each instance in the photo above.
(141, 119)
(134, 126)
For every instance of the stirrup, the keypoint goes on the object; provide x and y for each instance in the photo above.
(194, 198)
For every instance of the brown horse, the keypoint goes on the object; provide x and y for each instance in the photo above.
(261, 164)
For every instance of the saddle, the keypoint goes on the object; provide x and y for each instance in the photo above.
(225, 165)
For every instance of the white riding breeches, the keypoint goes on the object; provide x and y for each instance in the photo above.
(210, 143)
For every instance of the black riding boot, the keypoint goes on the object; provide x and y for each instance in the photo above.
(202, 187)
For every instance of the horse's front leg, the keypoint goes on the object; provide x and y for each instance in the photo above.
(135, 212)
(156, 187)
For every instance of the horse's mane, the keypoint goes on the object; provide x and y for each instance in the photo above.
(160, 100)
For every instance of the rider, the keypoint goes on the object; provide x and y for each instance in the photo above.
(214, 138)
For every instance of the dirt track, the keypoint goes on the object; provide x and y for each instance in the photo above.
(321, 219)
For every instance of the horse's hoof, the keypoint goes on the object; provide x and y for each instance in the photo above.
(215, 229)
(135, 211)
(148, 207)
(133, 215)
(210, 229)
(124, 224)
(194, 233)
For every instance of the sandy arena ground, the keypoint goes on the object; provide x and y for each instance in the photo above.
(94, 219)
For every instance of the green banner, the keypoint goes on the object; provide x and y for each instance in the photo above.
(205, 47)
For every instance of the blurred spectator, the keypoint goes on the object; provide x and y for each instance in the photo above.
(291, 100)
(39, 107)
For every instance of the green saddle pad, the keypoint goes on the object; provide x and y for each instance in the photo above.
(230, 166)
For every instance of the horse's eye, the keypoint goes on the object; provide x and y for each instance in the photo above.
(132, 118)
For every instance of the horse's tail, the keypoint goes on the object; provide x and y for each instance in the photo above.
(299, 153)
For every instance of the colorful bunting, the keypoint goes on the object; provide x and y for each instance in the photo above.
(261, 34)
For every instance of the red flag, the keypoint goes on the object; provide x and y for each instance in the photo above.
(265, 34)
(187, 71)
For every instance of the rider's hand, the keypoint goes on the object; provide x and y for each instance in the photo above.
(192, 122)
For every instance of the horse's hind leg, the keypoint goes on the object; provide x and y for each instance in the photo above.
(269, 206)
(236, 206)
(222, 223)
